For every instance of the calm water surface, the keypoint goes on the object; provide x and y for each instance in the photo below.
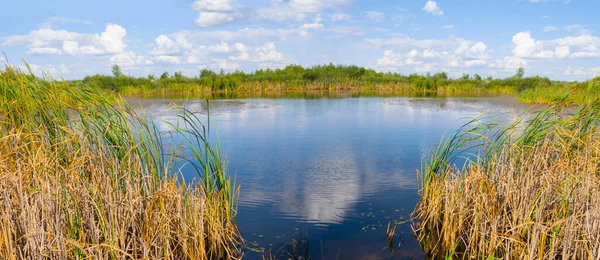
(330, 171)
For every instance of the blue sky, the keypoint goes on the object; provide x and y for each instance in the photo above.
(554, 38)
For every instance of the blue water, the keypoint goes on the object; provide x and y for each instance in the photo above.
(330, 173)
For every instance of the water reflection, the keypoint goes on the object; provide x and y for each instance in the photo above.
(341, 168)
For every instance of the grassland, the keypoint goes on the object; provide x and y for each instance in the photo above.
(83, 176)
(529, 190)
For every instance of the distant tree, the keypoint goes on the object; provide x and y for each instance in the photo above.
(178, 75)
(443, 75)
(477, 77)
(116, 71)
(151, 77)
(165, 75)
(520, 73)
(465, 76)
(204, 73)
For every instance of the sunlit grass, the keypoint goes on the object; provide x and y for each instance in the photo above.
(83, 176)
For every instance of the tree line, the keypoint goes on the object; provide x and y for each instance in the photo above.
(321, 77)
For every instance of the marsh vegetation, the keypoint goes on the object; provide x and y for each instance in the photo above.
(335, 78)
(84, 176)
(529, 190)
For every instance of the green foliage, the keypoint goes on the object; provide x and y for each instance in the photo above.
(116, 71)
(520, 73)
(322, 77)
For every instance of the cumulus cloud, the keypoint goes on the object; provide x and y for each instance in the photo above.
(216, 12)
(268, 52)
(129, 59)
(583, 46)
(59, 42)
(226, 65)
(436, 54)
(508, 63)
(432, 8)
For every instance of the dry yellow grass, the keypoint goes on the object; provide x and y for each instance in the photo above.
(533, 193)
(84, 179)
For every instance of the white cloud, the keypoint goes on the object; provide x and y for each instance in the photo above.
(219, 47)
(390, 59)
(268, 52)
(214, 5)
(40, 70)
(375, 16)
(58, 42)
(432, 8)
(44, 50)
(244, 56)
(298, 9)
(206, 19)
(112, 38)
(583, 46)
(447, 26)
(477, 51)
(583, 72)
(436, 54)
(166, 59)
(216, 12)
(57, 20)
(550, 28)
(426, 68)
(225, 65)
(129, 59)
(164, 45)
(508, 63)
(339, 17)
(578, 29)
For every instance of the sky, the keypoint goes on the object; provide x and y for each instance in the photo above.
(71, 39)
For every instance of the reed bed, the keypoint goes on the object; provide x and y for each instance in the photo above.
(529, 190)
(83, 176)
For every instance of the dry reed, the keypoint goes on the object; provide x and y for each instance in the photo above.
(83, 176)
(530, 190)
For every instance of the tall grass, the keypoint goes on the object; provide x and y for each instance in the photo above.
(83, 176)
(529, 190)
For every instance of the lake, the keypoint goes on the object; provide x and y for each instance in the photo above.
(329, 172)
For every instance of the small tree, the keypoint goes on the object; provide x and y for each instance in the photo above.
(520, 73)
(165, 75)
(116, 71)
